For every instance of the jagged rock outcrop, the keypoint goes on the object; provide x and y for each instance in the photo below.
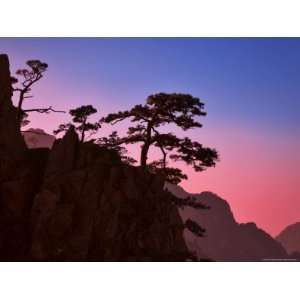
(290, 239)
(77, 201)
(11, 141)
(20, 175)
(225, 239)
(93, 207)
(81, 203)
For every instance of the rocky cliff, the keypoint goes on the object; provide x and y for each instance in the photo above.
(10, 138)
(78, 202)
(225, 239)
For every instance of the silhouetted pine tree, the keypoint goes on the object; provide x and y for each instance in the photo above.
(80, 121)
(30, 76)
(114, 142)
(163, 109)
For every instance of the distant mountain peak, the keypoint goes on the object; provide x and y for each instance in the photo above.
(226, 239)
(36, 130)
(290, 238)
(38, 138)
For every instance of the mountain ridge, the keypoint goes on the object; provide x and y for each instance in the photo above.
(225, 238)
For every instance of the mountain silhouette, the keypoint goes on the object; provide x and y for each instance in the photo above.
(38, 138)
(225, 239)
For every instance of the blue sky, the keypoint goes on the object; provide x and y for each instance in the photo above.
(253, 81)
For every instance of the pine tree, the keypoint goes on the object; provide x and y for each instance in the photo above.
(80, 116)
(29, 77)
(167, 109)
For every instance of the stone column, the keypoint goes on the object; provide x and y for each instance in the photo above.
(12, 144)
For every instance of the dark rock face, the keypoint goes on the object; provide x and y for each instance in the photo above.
(85, 205)
(93, 207)
(225, 239)
(290, 238)
(20, 173)
(78, 202)
(18, 188)
(11, 141)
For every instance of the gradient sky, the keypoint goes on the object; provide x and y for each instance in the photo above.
(250, 88)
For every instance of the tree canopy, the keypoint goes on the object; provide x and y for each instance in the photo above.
(114, 142)
(162, 109)
(80, 116)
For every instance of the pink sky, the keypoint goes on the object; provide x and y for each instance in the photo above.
(258, 173)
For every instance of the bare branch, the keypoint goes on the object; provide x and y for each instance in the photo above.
(118, 120)
(44, 110)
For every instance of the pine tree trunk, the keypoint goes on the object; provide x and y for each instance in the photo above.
(19, 112)
(146, 146)
(144, 154)
(82, 136)
(83, 131)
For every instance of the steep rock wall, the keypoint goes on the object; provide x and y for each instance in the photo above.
(93, 207)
